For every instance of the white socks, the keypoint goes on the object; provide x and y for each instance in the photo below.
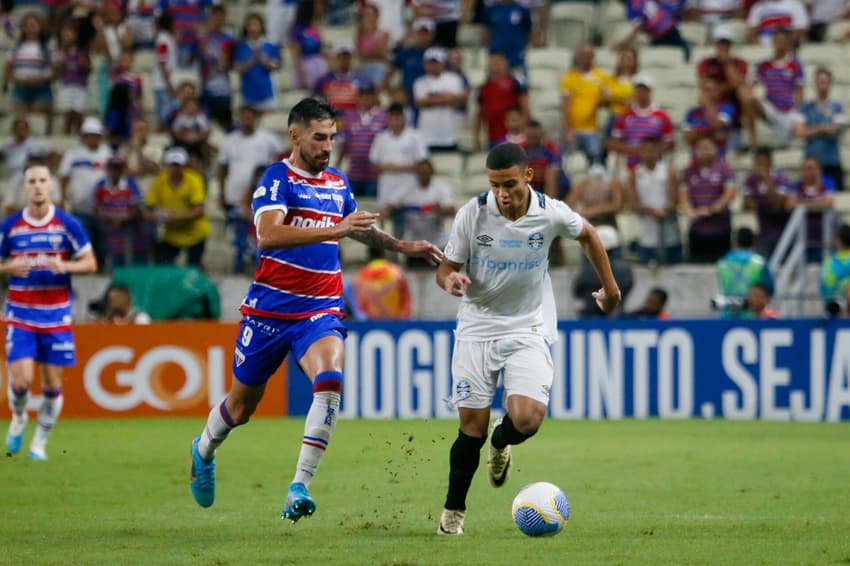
(317, 433)
(48, 413)
(219, 425)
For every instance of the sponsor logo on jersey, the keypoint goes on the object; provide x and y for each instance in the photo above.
(316, 317)
(275, 187)
(323, 222)
(535, 241)
(484, 240)
(260, 192)
(488, 263)
(510, 243)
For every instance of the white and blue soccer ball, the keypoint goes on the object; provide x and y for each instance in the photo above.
(541, 509)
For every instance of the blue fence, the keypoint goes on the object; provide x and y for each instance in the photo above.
(773, 370)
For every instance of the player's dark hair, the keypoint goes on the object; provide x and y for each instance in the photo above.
(764, 151)
(763, 287)
(824, 71)
(745, 237)
(534, 123)
(120, 287)
(395, 108)
(660, 293)
(218, 9)
(309, 109)
(514, 109)
(844, 235)
(505, 156)
(165, 22)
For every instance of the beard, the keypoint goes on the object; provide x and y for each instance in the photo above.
(315, 165)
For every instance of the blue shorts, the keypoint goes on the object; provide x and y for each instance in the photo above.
(54, 348)
(263, 343)
(32, 94)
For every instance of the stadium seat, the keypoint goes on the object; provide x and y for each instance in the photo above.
(568, 33)
(448, 164)
(661, 58)
(556, 58)
(144, 61)
(694, 33)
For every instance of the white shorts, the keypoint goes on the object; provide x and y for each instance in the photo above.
(524, 363)
(71, 98)
(782, 122)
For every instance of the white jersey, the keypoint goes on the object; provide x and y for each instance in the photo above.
(507, 262)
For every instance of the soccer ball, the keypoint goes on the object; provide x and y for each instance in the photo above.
(541, 509)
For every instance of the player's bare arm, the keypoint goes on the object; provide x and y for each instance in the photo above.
(450, 278)
(608, 297)
(272, 234)
(86, 263)
(375, 237)
(17, 267)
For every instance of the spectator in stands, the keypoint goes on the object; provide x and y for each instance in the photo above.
(359, 128)
(587, 280)
(758, 304)
(339, 86)
(189, 18)
(217, 50)
(176, 202)
(515, 127)
(454, 63)
(437, 94)
(711, 117)
(81, 168)
(139, 16)
(652, 307)
(508, 30)
(544, 158)
(738, 271)
(162, 76)
(821, 13)
(120, 309)
(499, 93)
(783, 81)
(305, 42)
(641, 121)
(73, 68)
(117, 206)
(190, 130)
(15, 197)
(123, 72)
(391, 19)
(279, 17)
(424, 206)
(813, 193)
(30, 71)
(769, 193)
(111, 38)
(121, 112)
(621, 90)
(446, 15)
(769, 16)
(657, 20)
(22, 145)
(395, 153)
(708, 186)
(598, 197)
(409, 59)
(822, 121)
(255, 59)
(584, 90)
(730, 72)
(240, 154)
(373, 43)
(652, 189)
(398, 95)
(835, 275)
(711, 12)
(142, 158)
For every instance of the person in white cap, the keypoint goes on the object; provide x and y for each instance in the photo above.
(339, 87)
(176, 201)
(81, 168)
(438, 94)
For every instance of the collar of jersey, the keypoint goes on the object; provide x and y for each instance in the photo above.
(301, 172)
(533, 207)
(51, 212)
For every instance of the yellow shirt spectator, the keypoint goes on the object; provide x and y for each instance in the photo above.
(181, 198)
(622, 91)
(585, 93)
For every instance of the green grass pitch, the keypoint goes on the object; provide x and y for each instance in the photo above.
(642, 492)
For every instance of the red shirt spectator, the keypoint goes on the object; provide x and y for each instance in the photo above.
(729, 71)
(501, 92)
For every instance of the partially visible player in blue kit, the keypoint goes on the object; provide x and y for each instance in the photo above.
(294, 306)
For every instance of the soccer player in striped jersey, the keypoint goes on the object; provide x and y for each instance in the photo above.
(496, 261)
(41, 246)
(302, 208)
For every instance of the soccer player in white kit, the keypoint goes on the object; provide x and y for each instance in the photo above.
(496, 260)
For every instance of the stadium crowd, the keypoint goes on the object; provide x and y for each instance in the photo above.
(159, 116)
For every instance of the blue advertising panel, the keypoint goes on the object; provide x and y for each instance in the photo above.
(772, 370)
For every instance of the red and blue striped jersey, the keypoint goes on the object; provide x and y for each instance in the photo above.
(41, 301)
(705, 185)
(297, 283)
(781, 77)
(638, 124)
(654, 19)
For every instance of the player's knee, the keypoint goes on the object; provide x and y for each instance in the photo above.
(527, 423)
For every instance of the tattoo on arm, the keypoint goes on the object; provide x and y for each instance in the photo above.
(376, 238)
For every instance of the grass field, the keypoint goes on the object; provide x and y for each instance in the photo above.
(642, 492)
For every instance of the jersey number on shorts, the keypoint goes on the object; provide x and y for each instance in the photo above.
(247, 334)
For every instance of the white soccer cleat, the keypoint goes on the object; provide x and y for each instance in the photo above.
(499, 461)
(38, 452)
(451, 522)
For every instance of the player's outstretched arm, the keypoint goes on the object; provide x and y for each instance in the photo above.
(272, 234)
(451, 280)
(608, 297)
(377, 238)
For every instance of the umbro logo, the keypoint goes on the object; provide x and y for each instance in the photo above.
(484, 240)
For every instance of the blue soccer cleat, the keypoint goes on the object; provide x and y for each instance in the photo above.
(298, 503)
(15, 435)
(203, 477)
